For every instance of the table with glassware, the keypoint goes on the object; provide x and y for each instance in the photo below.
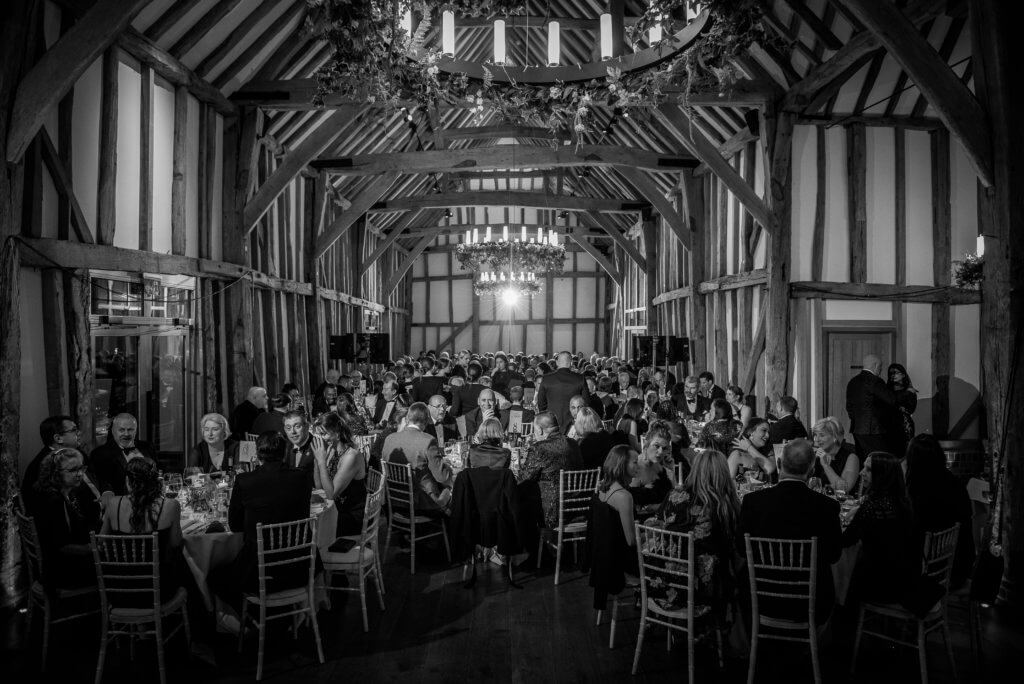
(208, 541)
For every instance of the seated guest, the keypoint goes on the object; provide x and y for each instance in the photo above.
(594, 442)
(837, 462)
(594, 401)
(788, 426)
(412, 445)
(630, 426)
(332, 377)
(682, 453)
(550, 453)
(720, 432)
(503, 378)
(625, 381)
(705, 507)
(340, 470)
(889, 562)
(386, 402)
(244, 415)
(65, 513)
(748, 452)
(790, 510)
(499, 399)
(738, 400)
(515, 396)
(441, 424)
(57, 432)
(273, 418)
(605, 387)
(487, 407)
(708, 388)
(217, 451)
(651, 400)
(396, 421)
(689, 401)
(940, 500)
(294, 394)
(656, 475)
(346, 409)
(611, 536)
(325, 400)
(486, 450)
(464, 398)
(428, 384)
(300, 452)
(273, 493)
(145, 510)
(107, 462)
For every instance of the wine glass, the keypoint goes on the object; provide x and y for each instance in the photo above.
(814, 484)
(840, 492)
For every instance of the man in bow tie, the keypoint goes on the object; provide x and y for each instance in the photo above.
(109, 461)
(300, 452)
(441, 424)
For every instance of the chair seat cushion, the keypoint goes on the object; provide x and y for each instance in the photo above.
(169, 606)
(348, 558)
(656, 606)
(398, 517)
(898, 611)
(284, 597)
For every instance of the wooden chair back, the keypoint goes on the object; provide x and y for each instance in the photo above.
(575, 487)
(939, 550)
(666, 557)
(374, 480)
(127, 568)
(371, 512)
(283, 546)
(784, 569)
(399, 486)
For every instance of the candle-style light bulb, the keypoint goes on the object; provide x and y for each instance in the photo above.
(499, 41)
(487, 238)
(448, 34)
(468, 236)
(606, 36)
(504, 233)
(524, 233)
(476, 236)
(554, 44)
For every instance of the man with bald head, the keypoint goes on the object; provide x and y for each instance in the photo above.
(871, 406)
(558, 389)
(245, 414)
(486, 407)
(108, 462)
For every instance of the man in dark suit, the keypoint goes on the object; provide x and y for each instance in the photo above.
(708, 389)
(558, 388)
(871, 406)
(515, 396)
(487, 407)
(273, 493)
(385, 402)
(428, 384)
(464, 399)
(57, 432)
(788, 427)
(299, 453)
(244, 415)
(442, 425)
(792, 511)
(108, 461)
(431, 475)
(689, 401)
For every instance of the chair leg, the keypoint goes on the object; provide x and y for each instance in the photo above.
(316, 628)
(718, 644)
(46, 633)
(131, 643)
(444, 535)
(188, 628)
(362, 600)
(689, 656)
(380, 588)
(540, 546)
(412, 544)
(387, 538)
(615, 618)
(161, 665)
(856, 638)
(922, 651)
(597, 623)
(262, 642)
(815, 664)
(947, 638)
(752, 668)
(640, 640)
(380, 578)
(558, 556)
(104, 627)
(241, 626)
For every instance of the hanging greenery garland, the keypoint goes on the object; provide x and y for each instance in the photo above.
(370, 62)
(517, 256)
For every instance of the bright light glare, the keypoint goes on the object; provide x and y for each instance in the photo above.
(510, 296)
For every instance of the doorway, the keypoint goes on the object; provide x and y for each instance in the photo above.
(844, 354)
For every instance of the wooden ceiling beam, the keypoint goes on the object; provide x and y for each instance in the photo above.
(60, 67)
(392, 238)
(649, 189)
(360, 205)
(953, 102)
(516, 198)
(504, 157)
(600, 258)
(502, 131)
(621, 240)
(815, 24)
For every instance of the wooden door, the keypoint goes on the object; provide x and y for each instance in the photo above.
(844, 355)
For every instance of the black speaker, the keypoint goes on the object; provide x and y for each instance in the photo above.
(649, 350)
(372, 347)
(679, 350)
(341, 347)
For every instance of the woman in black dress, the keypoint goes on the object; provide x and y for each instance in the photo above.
(906, 402)
(594, 441)
(340, 470)
(611, 539)
(720, 432)
(486, 450)
(217, 451)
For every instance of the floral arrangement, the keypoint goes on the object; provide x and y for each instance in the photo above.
(969, 273)
(486, 288)
(371, 62)
(519, 256)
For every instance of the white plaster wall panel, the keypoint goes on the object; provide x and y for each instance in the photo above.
(85, 140)
(418, 267)
(174, 33)
(964, 201)
(437, 264)
(918, 327)
(438, 299)
(561, 338)
(163, 165)
(586, 338)
(129, 136)
(33, 408)
(919, 209)
(419, 302)
(758, 181)
(216, 193)
(881, 205)
(854, 310)
(464, 340)
(586, 292)
(837, 234)
(965, 323)
(883, 87)
(192, 143)
(761, 251)
(49, 208)
(805, 188)
(486, 309)
(490, 338)
(563, 305)
(583, 262)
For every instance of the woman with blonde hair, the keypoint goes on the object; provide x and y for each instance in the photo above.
(837, 463)
(217, 451)
(594, 441)
(487, 451)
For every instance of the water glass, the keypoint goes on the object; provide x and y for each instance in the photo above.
(840, 492)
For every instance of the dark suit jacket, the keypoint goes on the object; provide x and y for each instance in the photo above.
(28, 483)
(273, 493)
(870, 404)
(107, 463)
(785, 429)
(703, 404)
(378, 410)
(199, 456)
(474, 419)
(242, 418)
(425, 387)
(792, 511)
(555, 392)
(716, 393)
(430, 473)
(449, 430)
(464, 398)
(489, 456)
(594, 448)
(305, 460)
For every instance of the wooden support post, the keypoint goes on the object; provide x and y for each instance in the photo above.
(856, 183)
(693, 211)
(77, 294)
(106, 208)
(179, 162)
(780, 239)
(649, 226)
(146, 160)
(55, 343)
(941, 238)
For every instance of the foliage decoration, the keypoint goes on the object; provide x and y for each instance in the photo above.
(515, 256)
(969, 272)
(487, 288)
(371, 62)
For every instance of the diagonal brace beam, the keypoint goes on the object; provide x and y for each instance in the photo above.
(360, 204)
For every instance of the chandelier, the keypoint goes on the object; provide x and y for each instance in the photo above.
(513, 266)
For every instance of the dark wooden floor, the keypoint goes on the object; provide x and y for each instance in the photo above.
(434, 630)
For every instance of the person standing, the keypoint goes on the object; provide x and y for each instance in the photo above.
(906, 403)
(871, 406)
(559, 388)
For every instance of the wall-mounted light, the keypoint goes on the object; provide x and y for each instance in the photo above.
(448, 34)
(606, 36)
(980, 249)
(554, 44)
(499, 41)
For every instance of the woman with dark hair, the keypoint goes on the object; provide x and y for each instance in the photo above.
(65, 515)
(340, 470)
(940, 500)
(610, 535)
(720, 432)
(906, 402)
(748, 451)
(631, 425)
(350, 415)
(737, 400)
(145, 510)
(707, 507)
(394, 424)
(890, 558)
